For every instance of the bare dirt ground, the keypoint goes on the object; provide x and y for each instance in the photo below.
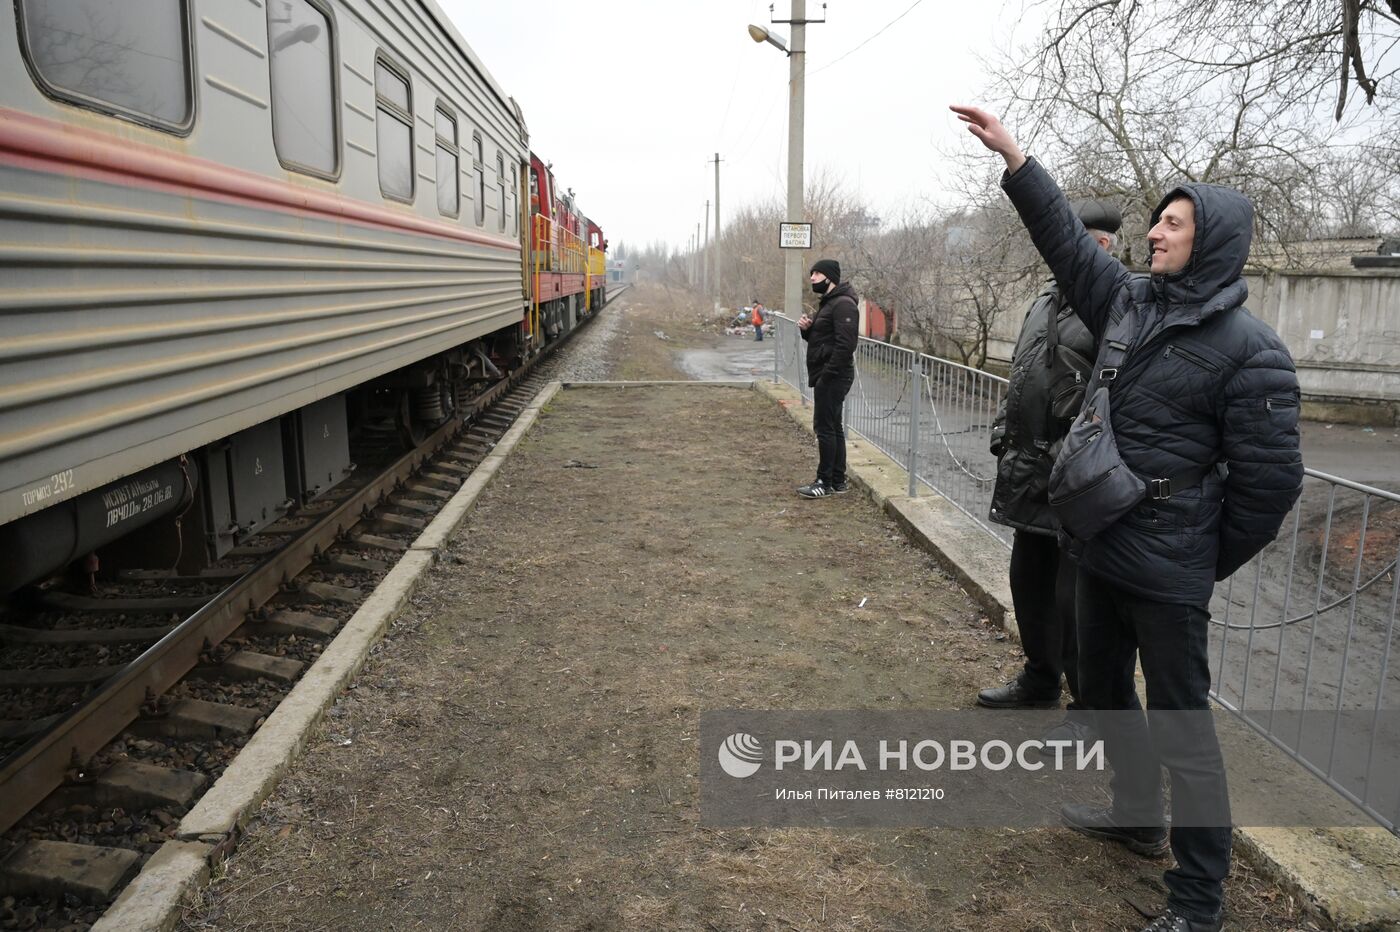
(520, 753)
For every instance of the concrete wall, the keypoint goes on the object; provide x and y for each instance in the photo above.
(1343, 328)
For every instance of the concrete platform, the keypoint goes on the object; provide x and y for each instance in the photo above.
(522, 753)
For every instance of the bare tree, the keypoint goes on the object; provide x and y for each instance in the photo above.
(659, 263)
(951, 277)
(1316, 47)
(753, 260)
(1130, 97)
(754, 264)
(991, 267)
(904, 274)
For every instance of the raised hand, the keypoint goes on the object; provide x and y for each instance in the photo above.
(994, 136)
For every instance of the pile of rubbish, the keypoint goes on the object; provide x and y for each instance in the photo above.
(741, 324)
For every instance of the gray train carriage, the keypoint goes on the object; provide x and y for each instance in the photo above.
(218, 222)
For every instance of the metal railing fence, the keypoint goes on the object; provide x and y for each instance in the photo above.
(1308, 626)
(947, 433)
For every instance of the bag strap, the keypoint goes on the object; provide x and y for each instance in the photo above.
(1114, 348)
(1052, 327)
(1114, 351)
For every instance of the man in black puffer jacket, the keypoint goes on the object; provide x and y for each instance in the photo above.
(1204, 383)
(831, 338)
(1049, 370)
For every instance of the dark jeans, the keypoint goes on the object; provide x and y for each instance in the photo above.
(827, 398)
(1116, 626)
(758, 332)
(1042, 591)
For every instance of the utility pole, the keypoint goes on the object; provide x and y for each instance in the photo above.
(797, 78)
(705, 267)
(719, 251)
(699, 257)
(797, 213)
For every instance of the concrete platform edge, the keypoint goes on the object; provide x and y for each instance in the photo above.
(1332, 870)
(450, 518)
(1319, 866)
(155, 899)
(257, 769)
(264, 760)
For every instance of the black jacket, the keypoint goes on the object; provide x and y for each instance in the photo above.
(1206, 382)
(832, 338)
(1040, 403)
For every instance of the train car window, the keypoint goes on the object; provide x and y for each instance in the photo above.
(302, 62)
(129, 59)
(446, 123)
(479, 164)
(501, 184)
(393, 131)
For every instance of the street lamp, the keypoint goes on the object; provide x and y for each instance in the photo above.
(797, 58)
(759, 34)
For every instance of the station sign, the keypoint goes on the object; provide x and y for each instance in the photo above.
(794, 236)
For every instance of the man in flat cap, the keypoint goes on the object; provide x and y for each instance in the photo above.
(1049, 369)
(831, 338)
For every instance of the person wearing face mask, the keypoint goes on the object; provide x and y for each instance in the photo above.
(831, 335)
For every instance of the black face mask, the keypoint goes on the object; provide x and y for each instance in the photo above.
(821, 287)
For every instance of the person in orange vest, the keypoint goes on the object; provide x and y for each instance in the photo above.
(757, 321)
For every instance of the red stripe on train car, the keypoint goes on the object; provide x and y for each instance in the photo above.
(44, 145)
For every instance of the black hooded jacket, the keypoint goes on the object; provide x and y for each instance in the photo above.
(832, 338)
(1205, 382)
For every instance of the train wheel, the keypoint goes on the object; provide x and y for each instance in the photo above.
(507, 349)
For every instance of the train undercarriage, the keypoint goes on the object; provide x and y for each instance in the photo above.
(187, 513)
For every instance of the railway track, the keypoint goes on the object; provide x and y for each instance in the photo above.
(120, 705)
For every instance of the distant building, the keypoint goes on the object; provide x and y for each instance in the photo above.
(622, 272)
(875, 322)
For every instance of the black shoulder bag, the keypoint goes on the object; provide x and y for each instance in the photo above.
(1090, 485)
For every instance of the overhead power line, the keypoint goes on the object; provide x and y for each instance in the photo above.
(867, 41)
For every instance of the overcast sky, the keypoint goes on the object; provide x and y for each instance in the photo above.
(631, 98)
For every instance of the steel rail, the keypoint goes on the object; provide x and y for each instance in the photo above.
(42, 765)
